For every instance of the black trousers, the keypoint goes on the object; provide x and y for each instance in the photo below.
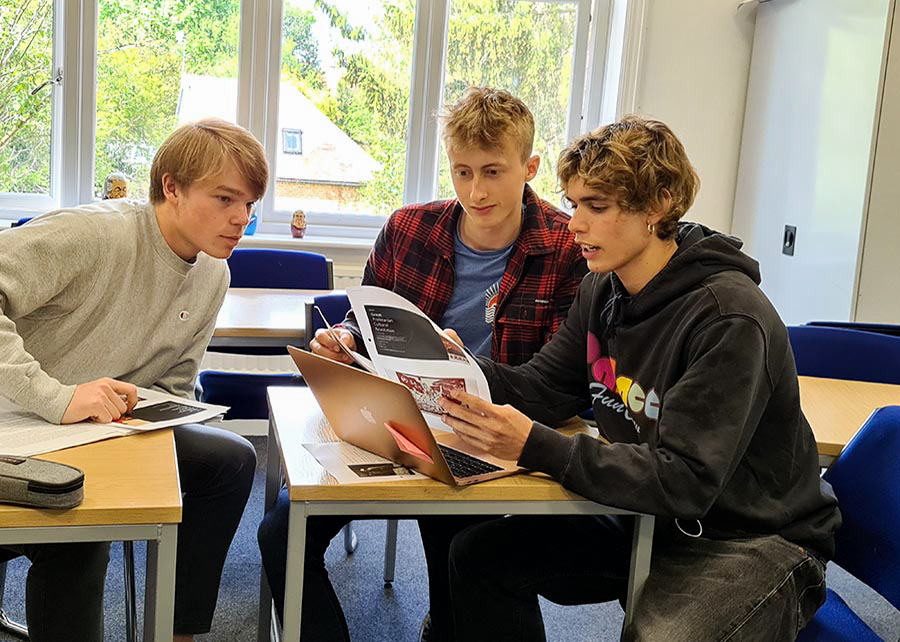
(64, 589)
(322, 618)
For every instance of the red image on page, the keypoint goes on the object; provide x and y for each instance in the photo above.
(427, 391)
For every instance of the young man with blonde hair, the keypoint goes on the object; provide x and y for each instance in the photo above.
(496, 264)
(73, 349)
(692, 381)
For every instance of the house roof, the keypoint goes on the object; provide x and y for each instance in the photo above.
(328, 156)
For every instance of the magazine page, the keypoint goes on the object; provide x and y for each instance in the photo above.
(24, 433)
(404, 345)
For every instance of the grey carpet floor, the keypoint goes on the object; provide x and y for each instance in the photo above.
(375, 613)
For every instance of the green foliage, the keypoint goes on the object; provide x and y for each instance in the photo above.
(26, 58)
(143, 47)
(340, 21)
(300, 50)
(523, 47)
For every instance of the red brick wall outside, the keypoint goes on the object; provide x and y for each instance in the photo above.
(337, 193)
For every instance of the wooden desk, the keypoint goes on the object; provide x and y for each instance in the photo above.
(131, 492)
(836, 408)
(295, 419)
(263, 317)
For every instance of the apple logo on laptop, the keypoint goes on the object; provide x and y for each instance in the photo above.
(367, 415)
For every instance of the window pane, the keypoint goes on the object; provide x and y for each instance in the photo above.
(26, 102)
(522, 47)
(159, 63)
(345, 77)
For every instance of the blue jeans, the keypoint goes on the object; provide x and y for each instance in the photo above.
(64, 589)
(755, 589)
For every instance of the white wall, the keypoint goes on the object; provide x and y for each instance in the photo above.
(877, 300)
(693, 71)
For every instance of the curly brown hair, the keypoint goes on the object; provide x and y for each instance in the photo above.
(640, 163)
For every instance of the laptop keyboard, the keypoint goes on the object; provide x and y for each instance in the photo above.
(463, 465)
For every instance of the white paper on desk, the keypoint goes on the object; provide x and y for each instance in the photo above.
(161, 410)
(24, 433)
(351, 465)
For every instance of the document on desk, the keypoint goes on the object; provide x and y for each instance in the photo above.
(24, 433)
(351, 465)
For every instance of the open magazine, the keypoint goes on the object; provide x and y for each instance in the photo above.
(404, 345)
(24, 433)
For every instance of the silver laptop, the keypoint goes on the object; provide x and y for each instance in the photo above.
(381, 416)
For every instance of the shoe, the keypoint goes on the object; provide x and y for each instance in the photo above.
(425, 629)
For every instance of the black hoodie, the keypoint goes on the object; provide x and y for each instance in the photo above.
(694, 385)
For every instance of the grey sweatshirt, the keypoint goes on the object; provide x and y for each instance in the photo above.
(95, 291)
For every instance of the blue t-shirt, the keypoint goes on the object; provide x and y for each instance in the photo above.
(474, 301)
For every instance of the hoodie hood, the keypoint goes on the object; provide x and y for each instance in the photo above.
(701, 253)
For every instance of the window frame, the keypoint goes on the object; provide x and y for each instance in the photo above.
(259, 69)
(293, 134)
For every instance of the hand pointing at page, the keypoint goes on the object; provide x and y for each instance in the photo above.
(102, 401)
(324, 344)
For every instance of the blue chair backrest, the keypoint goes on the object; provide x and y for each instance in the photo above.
(284, 269)
(881, 328)
(839, 353)
(866, 480)
(21, 221)
(333, 306)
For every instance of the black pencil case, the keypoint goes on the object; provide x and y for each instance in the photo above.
(35, 482)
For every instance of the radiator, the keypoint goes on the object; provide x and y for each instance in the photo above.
(344, 281)
(260, 363)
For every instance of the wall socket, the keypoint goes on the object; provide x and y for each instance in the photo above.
(790, 238)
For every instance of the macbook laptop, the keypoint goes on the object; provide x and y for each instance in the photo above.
(381, 416)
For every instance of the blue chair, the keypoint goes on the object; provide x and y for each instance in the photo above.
(245, 393)
(21, 221)
(334, 306)
(840, 353)
(281, 269)
(881, 328)
(866, 480)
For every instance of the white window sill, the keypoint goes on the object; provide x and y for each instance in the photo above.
(311, 243)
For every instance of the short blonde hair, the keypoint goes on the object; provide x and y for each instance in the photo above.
(199, 150)
(487, 118)
(640, 163)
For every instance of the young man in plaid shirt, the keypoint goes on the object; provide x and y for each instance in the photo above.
(496, 264)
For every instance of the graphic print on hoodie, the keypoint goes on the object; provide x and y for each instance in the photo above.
(617, 394)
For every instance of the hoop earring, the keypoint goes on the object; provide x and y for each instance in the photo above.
(651, 228)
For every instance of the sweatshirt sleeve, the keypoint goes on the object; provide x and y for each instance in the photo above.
(552, 386)
(43, 268)
(706, 421)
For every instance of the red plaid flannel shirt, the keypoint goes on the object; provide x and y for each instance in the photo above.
(413, 256)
